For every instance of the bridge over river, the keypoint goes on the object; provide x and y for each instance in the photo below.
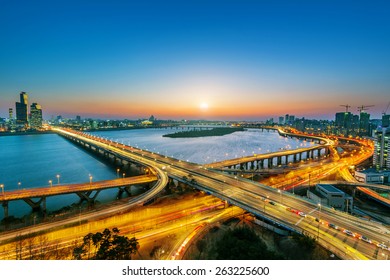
(253, 197)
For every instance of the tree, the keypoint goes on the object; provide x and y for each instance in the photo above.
(106, 245)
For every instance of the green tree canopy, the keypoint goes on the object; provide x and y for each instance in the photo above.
(106, 245)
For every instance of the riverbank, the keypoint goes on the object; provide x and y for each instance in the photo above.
(21, 133)
(218, 131)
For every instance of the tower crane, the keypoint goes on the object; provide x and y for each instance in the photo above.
(385, 111)
(364, 107)
(346, 107)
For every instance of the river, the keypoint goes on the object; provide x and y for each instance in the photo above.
(33, 160)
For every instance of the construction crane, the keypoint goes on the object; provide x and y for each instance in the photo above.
(346, 107)
(385, 111)
(364, 107)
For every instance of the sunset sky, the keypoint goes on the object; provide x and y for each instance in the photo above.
(231, 60)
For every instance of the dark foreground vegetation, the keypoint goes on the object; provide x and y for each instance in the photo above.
(106, 245)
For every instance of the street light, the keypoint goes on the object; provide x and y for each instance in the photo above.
(90, 179)
(319, 220)
(124, 174)
(51, 183)
(2, 187)
(58, 179)
(19, 183)
(117, 173)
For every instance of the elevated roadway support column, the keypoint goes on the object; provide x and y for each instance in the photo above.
(36, 205)
(85, 196)
(5, 207)
(126, 189)
(270, 160)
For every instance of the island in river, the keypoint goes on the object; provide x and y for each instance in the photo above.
(217, 131)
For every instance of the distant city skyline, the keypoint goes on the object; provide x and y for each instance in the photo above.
(218, 60)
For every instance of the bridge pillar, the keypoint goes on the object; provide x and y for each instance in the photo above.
(126, 189)
(270, 163)
(36, 205)
(279, 161)
(85, 196)
(5, 207)
(44, 204)
(260, 164)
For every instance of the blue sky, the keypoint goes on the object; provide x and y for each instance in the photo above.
(245, 59)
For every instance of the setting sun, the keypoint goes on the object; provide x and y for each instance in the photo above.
(204, 106)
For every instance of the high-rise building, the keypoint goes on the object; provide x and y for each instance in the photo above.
(355, 122)
(381, 155)
(286, 118)
(21, 109)
(36, 116)
(340, 119)
(346, 122)
(10, 114)
(281, 120)
(364, 125)
(385, 120)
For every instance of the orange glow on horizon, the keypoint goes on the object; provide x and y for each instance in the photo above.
(167, 110)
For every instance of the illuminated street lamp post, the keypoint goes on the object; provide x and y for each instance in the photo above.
(124, 174)
(319, 221)
(19, 183)
(2, 187)
(90, 179)
(51, 183)
(117, 173)
(58, 179)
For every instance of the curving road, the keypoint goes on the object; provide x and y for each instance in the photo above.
(250, 196)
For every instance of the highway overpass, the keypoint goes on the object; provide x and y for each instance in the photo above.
(255, 198)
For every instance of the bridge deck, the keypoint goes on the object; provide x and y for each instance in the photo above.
(236, 161)
(74, 188)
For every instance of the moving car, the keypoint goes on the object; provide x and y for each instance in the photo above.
(333, 226)
(365, 239)
(348, 232)
(383, 246)
(301, 214)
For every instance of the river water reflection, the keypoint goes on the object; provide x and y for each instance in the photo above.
(33, 160)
